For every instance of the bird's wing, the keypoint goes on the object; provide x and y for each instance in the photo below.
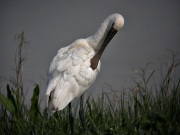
(70, 74)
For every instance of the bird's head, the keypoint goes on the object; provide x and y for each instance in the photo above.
(117, 21)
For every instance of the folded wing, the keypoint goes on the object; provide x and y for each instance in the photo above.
(69, 75)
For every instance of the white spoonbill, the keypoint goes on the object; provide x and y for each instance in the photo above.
(76, 66)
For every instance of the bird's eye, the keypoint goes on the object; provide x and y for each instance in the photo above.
(112, 26)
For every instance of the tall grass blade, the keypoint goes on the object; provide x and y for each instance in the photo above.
(11, 97)
(34, 110)
(7, 104)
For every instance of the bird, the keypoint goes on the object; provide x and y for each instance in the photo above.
(76, 66)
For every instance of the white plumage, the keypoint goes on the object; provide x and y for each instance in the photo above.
(71, 72)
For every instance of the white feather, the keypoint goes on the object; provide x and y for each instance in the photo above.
(70, 73)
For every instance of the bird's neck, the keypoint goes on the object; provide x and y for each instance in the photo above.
(97, 39)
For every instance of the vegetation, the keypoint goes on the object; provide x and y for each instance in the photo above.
(149, 107)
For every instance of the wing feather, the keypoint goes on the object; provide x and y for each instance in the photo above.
(64, 93)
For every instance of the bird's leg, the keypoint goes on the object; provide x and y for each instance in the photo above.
(71, 119)
(81, 113)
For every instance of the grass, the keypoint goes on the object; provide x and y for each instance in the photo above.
(149, 107)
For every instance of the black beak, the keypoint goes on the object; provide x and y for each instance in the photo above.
(109, 36)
